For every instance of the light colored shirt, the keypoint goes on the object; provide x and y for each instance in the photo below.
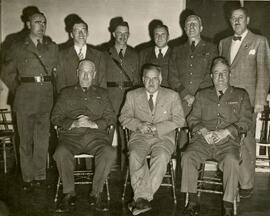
(123, 49)
(236, 45)
(82, 50)
(163, 50)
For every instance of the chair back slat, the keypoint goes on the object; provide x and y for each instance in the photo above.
(6, 123)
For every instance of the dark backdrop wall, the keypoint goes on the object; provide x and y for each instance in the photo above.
(216, 26)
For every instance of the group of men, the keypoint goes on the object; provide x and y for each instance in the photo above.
(218, 98)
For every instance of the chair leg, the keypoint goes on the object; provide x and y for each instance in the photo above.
(107, 190)
(57, 189)
(5, 157)
(234, 207)
(173, 182)
(186, 200)
(125, 185)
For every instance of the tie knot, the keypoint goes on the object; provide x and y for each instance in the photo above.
(235, 38)
(151, 96)
(192, 46)
(160, 55)
(80, 54)
(39, 45)
(121, 56)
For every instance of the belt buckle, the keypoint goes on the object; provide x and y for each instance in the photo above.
(121, 85)
(39, 79)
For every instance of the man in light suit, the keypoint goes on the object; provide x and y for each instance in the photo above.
(152, 114)
(70, 57)
(249, 56)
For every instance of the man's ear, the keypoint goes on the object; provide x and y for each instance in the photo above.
(248, 20)
(28, 25)
(201, 28)
(113, 34)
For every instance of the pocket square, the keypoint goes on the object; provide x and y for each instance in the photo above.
(252, 52)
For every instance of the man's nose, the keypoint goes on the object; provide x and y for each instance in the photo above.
(85, 76)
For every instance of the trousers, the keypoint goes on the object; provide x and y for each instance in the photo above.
(92, 141)
(33, 130)
(145, 180)
(227, 156)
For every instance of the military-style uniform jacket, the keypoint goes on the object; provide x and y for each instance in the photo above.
(233, 112)
(22, 61)
(190, 71)
(148, 56)
(69, 60)
(73, 101)
(115, 75)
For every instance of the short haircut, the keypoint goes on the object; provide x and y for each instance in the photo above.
(37, 13)
(79, 21)
(238, 7)
(86, 60)
(162, 26)
(123, 23)
(194, 16)
(149, 66)
(219, 59)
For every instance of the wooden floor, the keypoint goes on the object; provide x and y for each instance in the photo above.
(40, 202)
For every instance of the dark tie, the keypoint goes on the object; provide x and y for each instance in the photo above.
(121, 56)
(235, 38)
(84, 89)
(220, 94)
(39, 45)
(151, 103)
(160, 55)
(192, 46)
(80, 55)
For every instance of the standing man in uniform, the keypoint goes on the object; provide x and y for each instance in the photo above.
(28, 71)
(122, 67)
(249, 56)
(159, 54)
(70, 57)
(189, 68)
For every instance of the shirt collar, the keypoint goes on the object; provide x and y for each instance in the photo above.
(77, 49)
(163, 50)
(118, 49)
(154, 96)
(243, 35)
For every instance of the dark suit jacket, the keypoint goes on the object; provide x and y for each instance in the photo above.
(22, 61)
(148, 56)
(250, 68)
(233, 112)
(114, 74)
(67, 73)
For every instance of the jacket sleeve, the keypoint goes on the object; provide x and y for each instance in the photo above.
(127, 115)
(263, 72)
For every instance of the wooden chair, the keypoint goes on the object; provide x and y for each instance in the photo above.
(7, 136)
(170, 175)
(82, 177)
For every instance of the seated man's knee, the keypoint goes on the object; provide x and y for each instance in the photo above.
(162, 155)
(61, 152)
(188, 158)
(109, 152)
(231, 159)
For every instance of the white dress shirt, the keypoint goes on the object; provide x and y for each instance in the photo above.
(163, 50)
(236, 45)
(77, 49)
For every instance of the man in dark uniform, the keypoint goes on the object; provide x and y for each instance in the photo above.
(159, 54)
(218, 117)
(28, 71)
(83, 112)
(190, 63)
(70, 57)
(121, 69)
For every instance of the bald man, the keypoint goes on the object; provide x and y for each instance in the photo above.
(83, 112)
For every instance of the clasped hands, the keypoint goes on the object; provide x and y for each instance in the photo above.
(83, 121)
(214, 137)
(147, 128)
(189, 99)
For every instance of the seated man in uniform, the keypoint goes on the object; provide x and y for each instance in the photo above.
(152, 114)
(219, 115)
(83, 112)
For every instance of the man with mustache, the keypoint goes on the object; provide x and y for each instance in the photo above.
(249, 57)
(28, 71)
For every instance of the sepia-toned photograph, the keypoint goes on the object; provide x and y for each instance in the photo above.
(134, 107)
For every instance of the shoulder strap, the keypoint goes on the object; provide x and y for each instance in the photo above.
(42, 64)
(120, 67)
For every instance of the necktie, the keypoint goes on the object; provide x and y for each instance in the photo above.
(80, 55)
(121, 56)
(192, 46)
(151, 102)
(84, 89)
(235, 38)
(39, 45)
(220, 94)
(160, 55)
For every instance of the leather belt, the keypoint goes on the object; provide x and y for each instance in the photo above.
(124, 84)
(36, 79)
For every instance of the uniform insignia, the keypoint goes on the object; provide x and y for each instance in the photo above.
(232, 102)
